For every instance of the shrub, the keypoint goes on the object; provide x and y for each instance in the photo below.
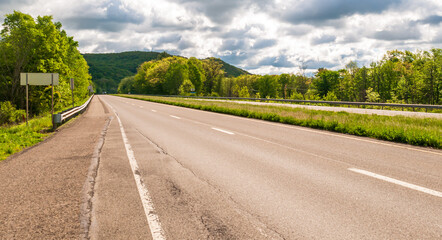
(9, 114)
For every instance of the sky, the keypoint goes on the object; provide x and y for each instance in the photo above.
(263, 37)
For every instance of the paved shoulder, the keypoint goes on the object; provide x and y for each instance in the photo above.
(41, 187)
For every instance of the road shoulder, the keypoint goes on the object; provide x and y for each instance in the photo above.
(42, 186)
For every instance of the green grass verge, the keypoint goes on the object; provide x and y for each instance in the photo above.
(16, 138)
(425, 132)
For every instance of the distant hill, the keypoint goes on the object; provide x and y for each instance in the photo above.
(232, 71)
(107, 69)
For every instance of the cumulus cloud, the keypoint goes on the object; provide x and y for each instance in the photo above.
(264, 43)
(233, 44)
(8, 2)
(259, 35)
(313, 11)
(169, 38)
(316, 64)
(323, 39)
(432, 20)
(235, 57)
(297, 30)
(185, 44)
(221, 11)
(114, 17)
(277, 61)
(117, 12)
(404, 31)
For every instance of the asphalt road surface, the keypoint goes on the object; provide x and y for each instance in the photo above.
(215, 176)
(130, 169)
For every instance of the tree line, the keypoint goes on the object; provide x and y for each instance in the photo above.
(38, 45)
(399, 77)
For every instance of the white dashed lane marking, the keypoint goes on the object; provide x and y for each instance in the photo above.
(223, 131)
(397, 182)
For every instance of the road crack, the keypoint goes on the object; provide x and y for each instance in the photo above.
(89, 185)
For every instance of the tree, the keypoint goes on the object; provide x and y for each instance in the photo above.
(244, 92)
(284, 81)
(186, 87)
(372, 96)
(127, 85)
(213, 74)
(174, 77)
(196, 74)
(325, 81)
(268, 86)
(28, 45)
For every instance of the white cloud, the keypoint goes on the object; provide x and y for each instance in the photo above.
(261, 36)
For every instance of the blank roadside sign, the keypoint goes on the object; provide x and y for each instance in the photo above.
(38, 78)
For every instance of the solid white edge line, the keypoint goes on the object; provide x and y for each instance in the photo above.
(224, 131)
(149, 210)
(398, 182)
(174, 116)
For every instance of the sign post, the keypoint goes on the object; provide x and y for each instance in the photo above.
(27, 97)
(91, 89)
(39, 79)
(52, 101)
(72, 90)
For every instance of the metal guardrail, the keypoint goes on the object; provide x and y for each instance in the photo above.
(426, 106)
(68, 114)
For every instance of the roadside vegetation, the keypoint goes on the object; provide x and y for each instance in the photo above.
(399, 77)
(35, 45)
(41, 46)
(425, 132)
(18, 137)
(108, 69)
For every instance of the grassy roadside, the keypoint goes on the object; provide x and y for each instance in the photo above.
(415, 131)
(15, 138)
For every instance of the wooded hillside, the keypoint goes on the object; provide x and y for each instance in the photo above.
(400, 77)
(108, 69)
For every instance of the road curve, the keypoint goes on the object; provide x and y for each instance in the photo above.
(217, 176)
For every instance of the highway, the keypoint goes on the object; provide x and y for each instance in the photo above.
(222, 177)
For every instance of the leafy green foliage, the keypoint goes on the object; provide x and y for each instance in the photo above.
(9, 114)
(108, 69)
(16, 138)
(400, 77)
(39, 45)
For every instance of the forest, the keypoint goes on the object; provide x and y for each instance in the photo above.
(399, 77)
(38, 45)
(107, 69)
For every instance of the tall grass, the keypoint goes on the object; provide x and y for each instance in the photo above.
(16, 138)
(411, 130)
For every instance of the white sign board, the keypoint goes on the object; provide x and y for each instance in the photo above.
(38, 78)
